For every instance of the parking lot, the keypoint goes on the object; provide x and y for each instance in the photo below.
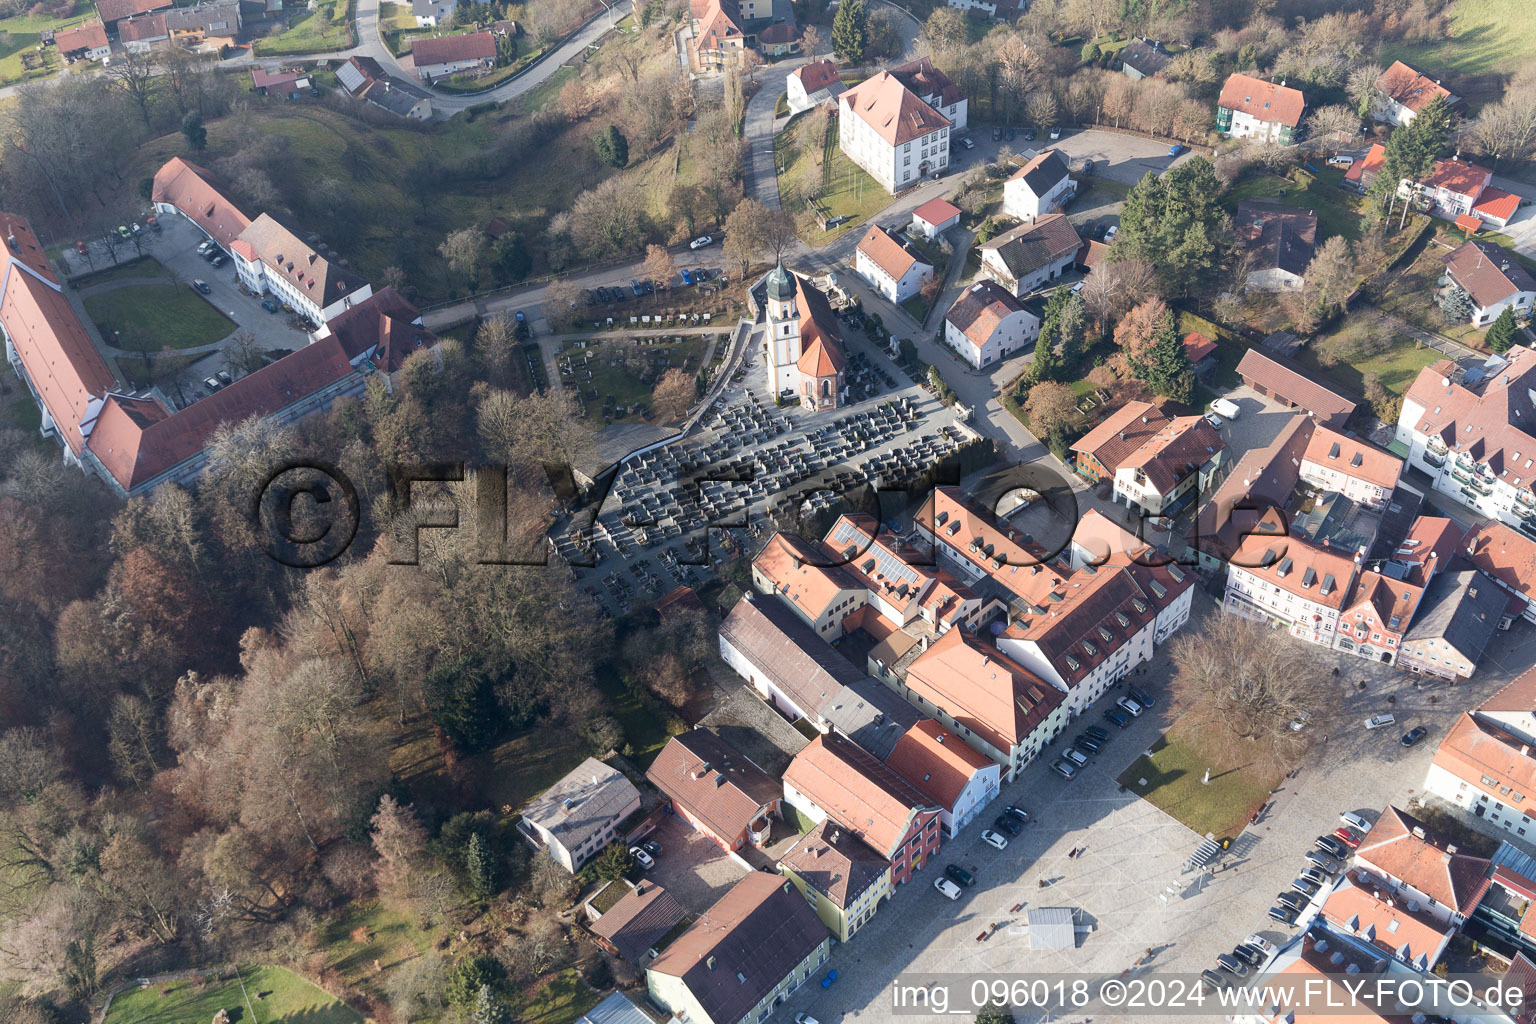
(690, 867)
(1131, 853)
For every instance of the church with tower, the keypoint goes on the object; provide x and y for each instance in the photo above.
(802, 347)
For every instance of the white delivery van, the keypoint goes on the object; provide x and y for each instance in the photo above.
(1226, 407)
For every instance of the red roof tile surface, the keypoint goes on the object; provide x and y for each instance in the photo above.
(1268, 102)
(855, 789)
(1411, 88)
(430, 52)
(892, 110)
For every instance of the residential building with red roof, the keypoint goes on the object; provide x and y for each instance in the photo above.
(716, 36)
(280, 83)
(817, 586)
(1250, 108)
(891, 265)
(956, 777)
(802, 344)
(87, 40)
(1508, 557)
(1492, 278)
(717, 789)
(1171, 468)
(437, 57)
(1403, 91)
(1282, 240)
(885, 128)
(1513, 706)
(640, 919)
(840, 875)
(935, 217)
(1197, 349)
(988, 324)
(1421, 868)
(1031, 255)
(1473, 431)
(1363, 171)
(1317, 974)
(140, 34)
(1101, 451)
(47, 344)
(811, 85)
(1263, 478)
(1488, 771)
(1039, 187)
(834, 778)
(1282, 381)
(933, 87)
(1081, 619)
(1451, 189)
(743, 957)
(114, 11)
(1280, 578)
(1380, 611)
(1363, 907)
(1360, 471)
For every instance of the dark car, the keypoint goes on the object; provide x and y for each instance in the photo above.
(1322, 861)
(269, 305)
(1250, 955)
(650, 288)
(1029, 135)
(1413, 735)
(1007, 823)
(1331, 846)
(1215, 980)
(1142, 696)
(1008, 135)
(1231, 964)
(1305, 886)
(651, 847)
(1086, 744)
(1291, 898)
(1117, 716)
(1017, 812)
(1098, 732)
(201, 286)
(637, 288)
(959, 875)
(1284, 915)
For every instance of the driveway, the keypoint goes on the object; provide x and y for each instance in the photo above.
(694, 870)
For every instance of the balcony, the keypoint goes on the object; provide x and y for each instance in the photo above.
(1431, 459)
(1526, 498)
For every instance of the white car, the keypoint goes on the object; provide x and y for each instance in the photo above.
(805, 1018)
(1109, 235)
(1077, 757)
(1213, 420)
(700, 242)
(1077, 288)
(1300, 721)
(947, 887)
(1055, 132)
(994, 840)
(967, 143)
(1338, 160)
(643, 858)
(1260, 942)
(1129, 706)
(1355, 822)
(1379, 721)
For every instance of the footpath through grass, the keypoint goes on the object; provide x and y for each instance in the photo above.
(271, 995)
(1171, 776)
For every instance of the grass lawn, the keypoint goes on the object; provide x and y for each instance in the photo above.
(20, 60)
(175, 315)
(365, 932)
(304, 33)
(1486, 36)
(561, 999)
(20, 413)
(1173, 772)
(1338, 212)
(547, 91)
(465, 83)
(275, 996)
(1411, 295)
(164, 368)
(137, 270)
(647, 726)
(1397, 367)
(847, 189)
(794, 816)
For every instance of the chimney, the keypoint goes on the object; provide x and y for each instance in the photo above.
(1450, 850)
(11, 241)
(1418, 831)
(709, 962)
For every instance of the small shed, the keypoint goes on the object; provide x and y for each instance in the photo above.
(1051, 928)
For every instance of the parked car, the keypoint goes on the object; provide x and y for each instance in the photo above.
(1088, 168)
(1006, 823)
(1331, 846)
(1215, 980)
(1008, 134)
(651, 847)
(1314, 874)
(1381, 720)
(1129, 706)
(1227, 408)
(1117, 716)
(1098, 732)
(1305, 886)
(959, 875)
(637, 288)
(1322, 861)
(134, 227)
(1346, 836)
(642, 858)
(1176, 150)
(80, 247)
(650, 288)
(701, 273)
(1017, 812)
(1291, 898)
(1087, 744)
(1065, 769)
(1259, 942)
(994, 840)
(967, 143)
(1300, 721)
(1077, 757)
(1055, 132)
(700, 242)
(1355, 822)
(1077, 287)
(997, 133)
(225, 378)
(1110, 233)
(1283, 915)
(1141, 696)
(948, 888)
(1250, 955)
(1215, 421)
(687, 276)
(204, 246)
(1231, 964)
(521, 318)
(212, 384)
(1340, 160)
(1413, 735)
(153, 223)
(269, 305)
(201, 286)
(217, 261)
(123, 232)
(1029, 135)
(805, 1018)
